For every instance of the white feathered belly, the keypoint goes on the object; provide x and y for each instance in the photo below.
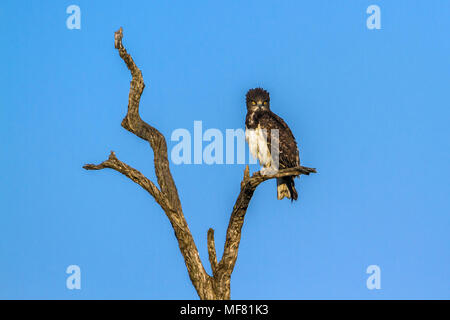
(257, 143)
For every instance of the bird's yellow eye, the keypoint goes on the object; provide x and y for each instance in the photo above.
(254, 103)
(265, 103)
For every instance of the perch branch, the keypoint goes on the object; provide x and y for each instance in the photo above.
(233, 236)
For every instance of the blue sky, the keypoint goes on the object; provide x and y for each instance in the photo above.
(369, 108)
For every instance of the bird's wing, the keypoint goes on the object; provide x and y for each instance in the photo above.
(288, 151)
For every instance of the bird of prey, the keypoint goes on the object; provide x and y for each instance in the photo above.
(271, 141)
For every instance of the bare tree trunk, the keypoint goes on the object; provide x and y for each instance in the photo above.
(208, 287)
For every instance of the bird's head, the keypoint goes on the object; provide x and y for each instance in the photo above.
(258, 99)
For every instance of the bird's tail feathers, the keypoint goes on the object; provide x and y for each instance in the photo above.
(286, 188)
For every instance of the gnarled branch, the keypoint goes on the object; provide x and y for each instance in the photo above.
(133, 174)
(233, 236)
(212, 252)
(216, 286)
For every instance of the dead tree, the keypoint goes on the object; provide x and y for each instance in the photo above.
(165, 194)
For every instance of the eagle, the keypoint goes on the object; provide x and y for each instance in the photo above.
(265, 132)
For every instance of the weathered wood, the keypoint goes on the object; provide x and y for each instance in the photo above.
(208, 287)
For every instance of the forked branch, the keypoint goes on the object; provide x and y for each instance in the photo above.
(216, 286)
